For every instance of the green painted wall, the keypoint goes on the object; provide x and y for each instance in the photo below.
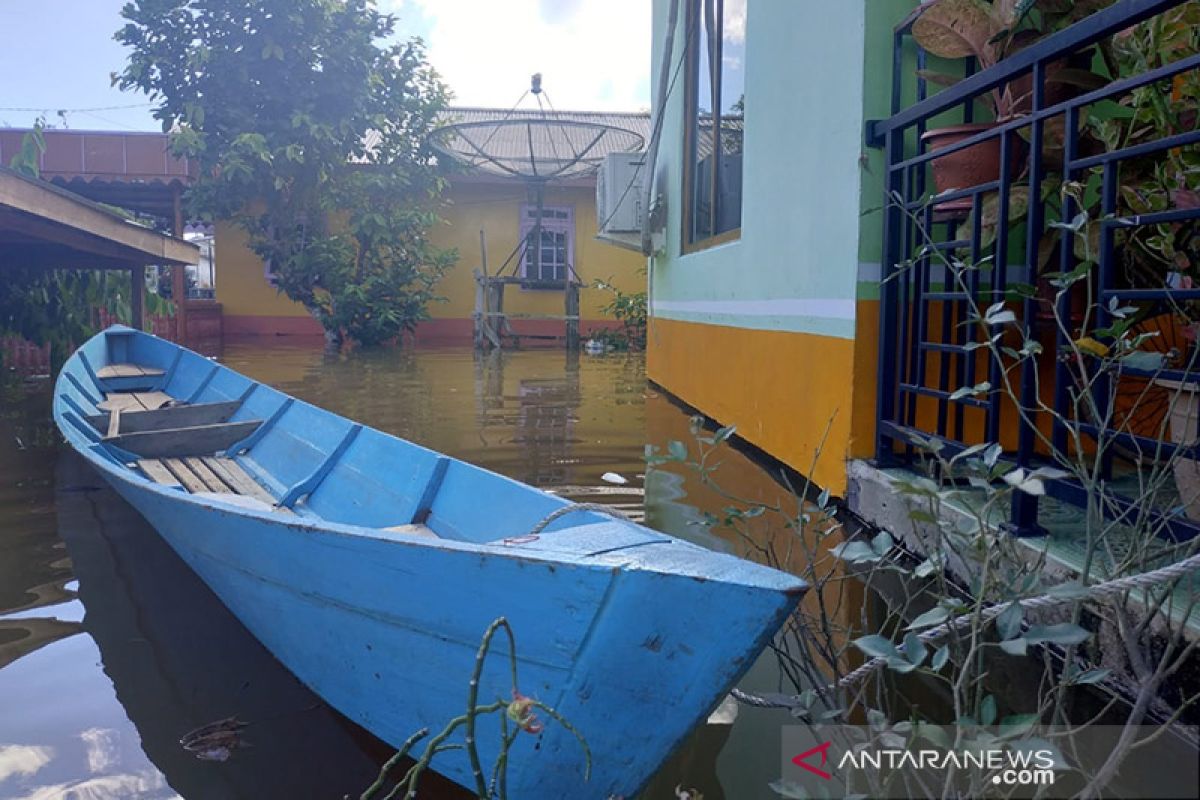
(882, 18)
(795, 267)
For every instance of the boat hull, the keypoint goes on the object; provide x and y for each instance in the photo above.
(632, 636)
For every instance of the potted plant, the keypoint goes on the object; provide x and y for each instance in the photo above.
(1168, 254)
(990, 32)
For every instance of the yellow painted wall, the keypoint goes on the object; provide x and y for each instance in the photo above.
(242, 288)
(781, 389)
(496, 209)
(493, 207)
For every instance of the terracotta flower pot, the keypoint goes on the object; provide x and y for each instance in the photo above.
(1185, 414)
(972, 166)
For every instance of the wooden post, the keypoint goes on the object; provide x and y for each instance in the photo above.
(496, 304)
(137, 287)
(572, 312)
(480, 309)
(179, 274)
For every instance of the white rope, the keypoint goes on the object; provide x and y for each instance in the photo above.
(571, 509)
(1116, 586)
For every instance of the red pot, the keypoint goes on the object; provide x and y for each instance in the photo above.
(972, 166)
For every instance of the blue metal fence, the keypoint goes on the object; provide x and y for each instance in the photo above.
(928, 346)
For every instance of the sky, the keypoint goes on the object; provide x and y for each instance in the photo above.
(593, 55)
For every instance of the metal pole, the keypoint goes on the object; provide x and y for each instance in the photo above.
(179, 274)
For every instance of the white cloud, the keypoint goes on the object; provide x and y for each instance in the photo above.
(102, 748)
(593, 54)
(734, 24)
(26, 760)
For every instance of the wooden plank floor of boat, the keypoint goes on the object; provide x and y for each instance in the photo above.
(206, 474)
(222, 475)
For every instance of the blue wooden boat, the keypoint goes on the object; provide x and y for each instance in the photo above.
(371, 566)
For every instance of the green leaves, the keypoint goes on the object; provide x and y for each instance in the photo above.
(957, 29)
(906, 658)
(914, 649)
(934, 616)
(854, 552)
(1008, 624)
(273, 98)
(876, 646)
(1063, 633)
(857, 551)
(940, 657)
(1090, 676)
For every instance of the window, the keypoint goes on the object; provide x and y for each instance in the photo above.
(714, 105)
(552, 259)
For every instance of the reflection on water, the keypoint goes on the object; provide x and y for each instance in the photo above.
(100, 678)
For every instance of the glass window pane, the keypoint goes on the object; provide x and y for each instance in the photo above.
(716, 102)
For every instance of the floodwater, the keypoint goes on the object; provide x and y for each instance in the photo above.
(111, 649)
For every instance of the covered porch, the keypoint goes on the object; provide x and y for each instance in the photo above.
(44, 226)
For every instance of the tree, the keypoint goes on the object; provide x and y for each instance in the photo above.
(311, 133)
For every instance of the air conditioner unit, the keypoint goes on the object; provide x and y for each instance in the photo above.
(619, 193)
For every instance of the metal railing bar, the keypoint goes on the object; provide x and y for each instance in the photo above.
(1153, 218)
(927, 391)
(956, 194)
(1025, 506)
(1088, 31)
(1150, 294)
(1143, 149)
(1116, 88)
(940, 347)
(1171, 526)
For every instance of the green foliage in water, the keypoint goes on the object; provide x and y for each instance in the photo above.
(275, 100)
(629, 309)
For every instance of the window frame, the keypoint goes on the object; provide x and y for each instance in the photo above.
(565, 225)
(691, 126)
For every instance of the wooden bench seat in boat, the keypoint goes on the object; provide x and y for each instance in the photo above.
(127, 371)
(135, 401)
(192, 440)
(133, 420)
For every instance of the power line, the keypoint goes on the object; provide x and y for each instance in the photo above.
(57, 110)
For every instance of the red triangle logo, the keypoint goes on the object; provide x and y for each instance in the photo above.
(802, 760)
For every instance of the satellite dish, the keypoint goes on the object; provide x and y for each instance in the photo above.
(541, 146)
(536, 146)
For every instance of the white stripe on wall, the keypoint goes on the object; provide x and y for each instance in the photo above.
(811, 308)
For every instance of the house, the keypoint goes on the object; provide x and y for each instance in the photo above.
(136, 172)
(966, 313)
(232, 294)
(482, 210)
(803, 284)
(765, 288)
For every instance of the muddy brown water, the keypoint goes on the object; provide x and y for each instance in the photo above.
(111, 650)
